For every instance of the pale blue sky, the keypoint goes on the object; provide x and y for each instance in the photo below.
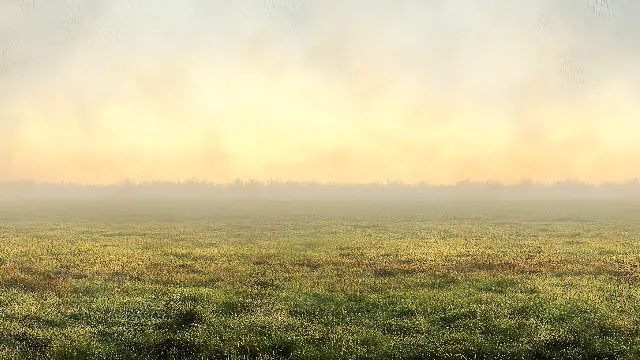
(432, 39)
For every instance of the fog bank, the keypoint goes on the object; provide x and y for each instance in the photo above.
(348, 92)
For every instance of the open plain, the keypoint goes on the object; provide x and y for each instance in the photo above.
(319, 279)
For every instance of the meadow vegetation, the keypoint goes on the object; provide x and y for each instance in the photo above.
(146, 279)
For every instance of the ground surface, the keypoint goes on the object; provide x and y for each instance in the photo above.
(304, 280)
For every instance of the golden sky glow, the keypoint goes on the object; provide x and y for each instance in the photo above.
(321, 90)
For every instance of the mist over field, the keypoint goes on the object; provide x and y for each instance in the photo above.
(568, 189)
(93, 92)
(319, 179)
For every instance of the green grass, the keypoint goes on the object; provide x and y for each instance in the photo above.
(320, 280)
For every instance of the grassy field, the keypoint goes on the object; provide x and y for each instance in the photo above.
(320, 280)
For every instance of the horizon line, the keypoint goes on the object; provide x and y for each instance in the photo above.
(280, 181)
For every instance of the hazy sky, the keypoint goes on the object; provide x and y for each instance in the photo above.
(95, 91)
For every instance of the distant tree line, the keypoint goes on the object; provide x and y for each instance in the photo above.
(280, 189)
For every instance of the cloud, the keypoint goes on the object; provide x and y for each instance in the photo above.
(353, 91)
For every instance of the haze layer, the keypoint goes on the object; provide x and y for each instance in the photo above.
(350, 91)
